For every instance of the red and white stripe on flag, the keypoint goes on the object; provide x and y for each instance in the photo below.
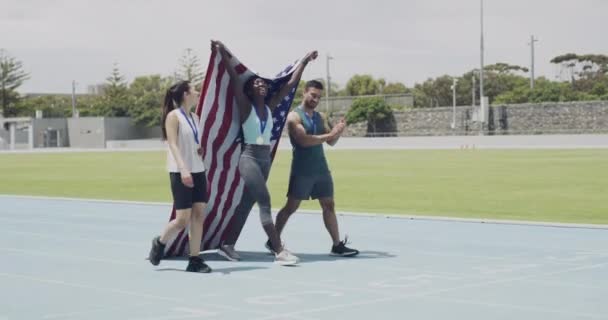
(220, 130)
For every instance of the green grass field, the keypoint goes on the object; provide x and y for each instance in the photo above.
(540, 185)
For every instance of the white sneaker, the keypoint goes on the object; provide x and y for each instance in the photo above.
(286, 258)
(227, 251)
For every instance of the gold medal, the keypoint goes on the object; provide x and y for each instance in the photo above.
(260, 140)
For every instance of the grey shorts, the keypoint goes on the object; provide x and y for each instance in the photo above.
(311, 187)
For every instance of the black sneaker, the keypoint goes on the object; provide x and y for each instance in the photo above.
(196, 264)
(268, 246)
(341, 250)
(157, 252)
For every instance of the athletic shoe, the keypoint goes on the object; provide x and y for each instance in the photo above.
(286, 258)
(227, 251)
(341, 250)
(196, 264)
(268, 246)
(157, 251)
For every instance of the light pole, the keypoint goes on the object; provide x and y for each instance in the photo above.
(454, 82)
(481, 54)
(482, 99)
(532, 40)
(473, 91)
(328, 79)
(73, 98)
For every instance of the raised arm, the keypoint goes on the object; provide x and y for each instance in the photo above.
(297, 131)
(236, 82)
(293, 81)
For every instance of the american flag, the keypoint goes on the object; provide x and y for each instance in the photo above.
(220, 136)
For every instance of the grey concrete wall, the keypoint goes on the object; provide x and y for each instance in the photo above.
(119, 128)
(567, 117)
(94, 132)
(86, 132)
(41, 125)
(20, 136)
(149, 132)
(542, 118)
(125, 129)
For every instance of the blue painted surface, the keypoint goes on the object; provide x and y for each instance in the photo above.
(85, 260)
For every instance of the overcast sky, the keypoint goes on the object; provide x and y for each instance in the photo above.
(400, 40)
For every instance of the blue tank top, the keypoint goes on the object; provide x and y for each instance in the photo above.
(256, 131)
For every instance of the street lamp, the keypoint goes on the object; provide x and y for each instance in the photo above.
(327, 58)
(74, 115)
(454, 82)
(532, 41)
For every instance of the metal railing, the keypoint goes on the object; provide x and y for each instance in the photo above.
(472, 132)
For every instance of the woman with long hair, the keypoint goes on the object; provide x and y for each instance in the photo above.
(255, 110)
(180, 128)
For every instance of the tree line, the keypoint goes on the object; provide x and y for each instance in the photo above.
(580, 77)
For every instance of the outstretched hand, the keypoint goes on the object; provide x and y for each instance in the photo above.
(216, 44)
(337, 130)
(341, 126)
(311, 56)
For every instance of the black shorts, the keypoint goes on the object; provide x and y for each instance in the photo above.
(311, 187)
(184, 197)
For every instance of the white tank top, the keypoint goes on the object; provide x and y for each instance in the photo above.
(187, 146)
